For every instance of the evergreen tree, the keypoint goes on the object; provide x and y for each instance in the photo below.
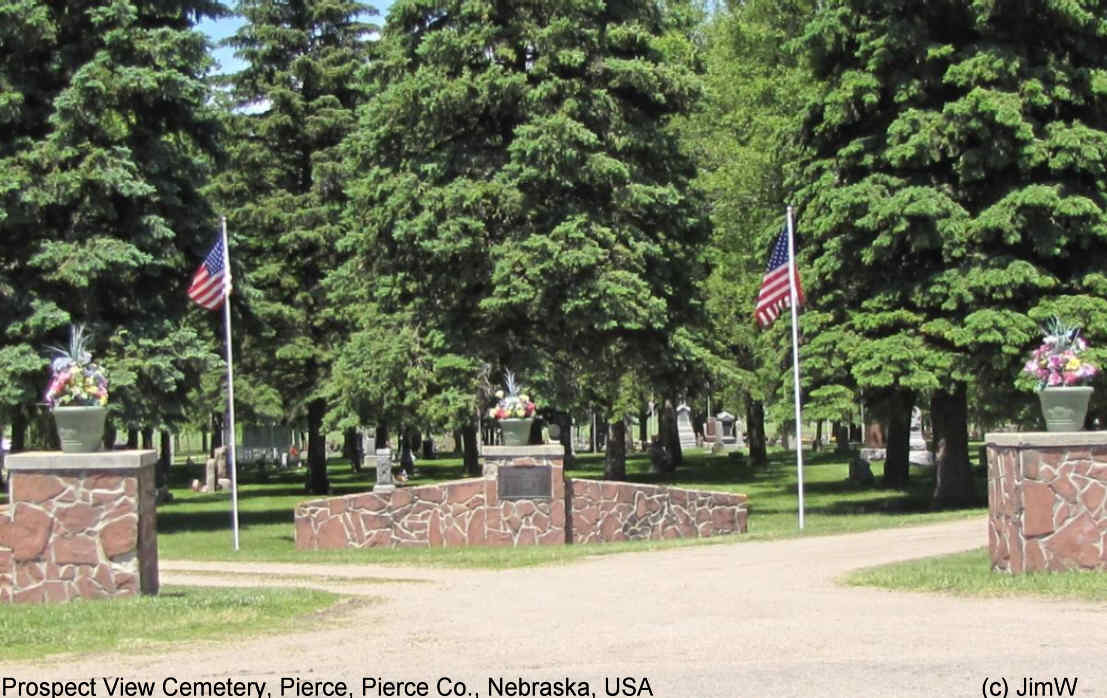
(105, 138)
(956, 192)
(744, 142)
(296, 99)
(518, 190)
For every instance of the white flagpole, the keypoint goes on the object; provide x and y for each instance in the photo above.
(793, 296)
(232, 462)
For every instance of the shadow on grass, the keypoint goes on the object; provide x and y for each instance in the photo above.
(175, 522)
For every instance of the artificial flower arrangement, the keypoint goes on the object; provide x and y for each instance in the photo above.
(76, 381)
(1057, 361)
(514, 404)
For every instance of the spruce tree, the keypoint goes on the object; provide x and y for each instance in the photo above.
(517, 190)
(105, 139)
(956, 192)
(282, 190)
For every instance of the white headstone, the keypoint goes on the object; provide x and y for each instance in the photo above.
(384, 471)
(919, 452)
(684, 427)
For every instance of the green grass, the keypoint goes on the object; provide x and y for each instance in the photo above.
(969, 574)
(152, 623)
(197, 526)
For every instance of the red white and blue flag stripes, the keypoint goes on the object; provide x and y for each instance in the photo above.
(209, 283)
(774, 295)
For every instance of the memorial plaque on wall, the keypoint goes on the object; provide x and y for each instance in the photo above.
(524, 482)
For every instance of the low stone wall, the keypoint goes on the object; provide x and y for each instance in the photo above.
(1047, 501)
(463, 512)
(613, 511)
(522, 499)
(451, 513)
(79, 526)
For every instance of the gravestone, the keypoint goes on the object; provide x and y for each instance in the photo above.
(919, 452)
(731, 436)
(384, 471)
(711, 431)
(685, 431)
(873, 448)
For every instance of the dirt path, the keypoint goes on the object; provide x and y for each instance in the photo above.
(752, 619)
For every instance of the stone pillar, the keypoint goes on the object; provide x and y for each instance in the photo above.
(526, 506)
(79, 525)
(1047, 501)
(384, 471)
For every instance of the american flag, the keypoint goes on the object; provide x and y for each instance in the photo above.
(210, 280)
(774, 295)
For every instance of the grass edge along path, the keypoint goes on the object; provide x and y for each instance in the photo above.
(151, 623)
(196, 526)
(969, 574)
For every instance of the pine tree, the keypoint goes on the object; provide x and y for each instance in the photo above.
(518, 190)
(744, 142)
(105, 139)
(296, 97)
(957, 192)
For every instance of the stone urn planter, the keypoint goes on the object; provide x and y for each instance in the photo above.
(1064, 407)
(516, 431)
(80, 429)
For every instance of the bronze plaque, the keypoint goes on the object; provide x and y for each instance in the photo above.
(524, 482)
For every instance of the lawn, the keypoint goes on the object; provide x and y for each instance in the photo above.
(969, 574)
(196, 526)
(152, 623)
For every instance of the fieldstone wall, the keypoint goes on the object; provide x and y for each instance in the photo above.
(464, 512)
(472, 512)
(612, 511)
(1047, 501)
(450, 513)
(79, 525)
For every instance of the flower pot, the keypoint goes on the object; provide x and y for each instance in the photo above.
(80, 429)
(1064, 407)
(516, 431)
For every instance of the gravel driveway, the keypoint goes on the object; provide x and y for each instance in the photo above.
(750, 619)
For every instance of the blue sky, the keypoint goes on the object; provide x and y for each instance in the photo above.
(217, 30)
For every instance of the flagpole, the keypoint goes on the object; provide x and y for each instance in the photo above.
(795, 361)
(232, 461)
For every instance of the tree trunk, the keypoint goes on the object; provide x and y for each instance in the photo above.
(109, 434)
(407, 463)
(147, 438)
(566, 438)
(204, 441)
(644, 428)
(165, 459)
(670, 438)
(592, 432)
(949, 416)
(19, 432)
(898, 444)
(755, 419)
(132, 439)
(818, 436)
(317, 448)
(351, 447)
(469, 456)
(458, 448)
(216, 432)
(380, 439)
(615, 460)
(841, 436)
